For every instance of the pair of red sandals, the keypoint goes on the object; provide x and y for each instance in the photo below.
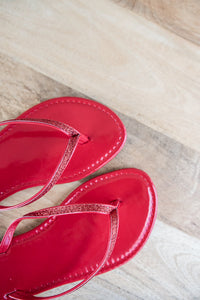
(99, 226)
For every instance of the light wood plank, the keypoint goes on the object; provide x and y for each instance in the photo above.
(110, 53)
(21, 88)
(179, 16)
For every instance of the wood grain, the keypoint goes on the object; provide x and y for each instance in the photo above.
(180, 17)
(107, 52)
(21, 88)
(141, 58)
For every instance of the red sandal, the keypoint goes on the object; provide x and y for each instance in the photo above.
(80, 134)
(99, 226)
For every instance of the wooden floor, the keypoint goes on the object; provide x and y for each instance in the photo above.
(142, 59)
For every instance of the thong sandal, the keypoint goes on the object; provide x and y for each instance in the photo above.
(99, 226)
(80, 134)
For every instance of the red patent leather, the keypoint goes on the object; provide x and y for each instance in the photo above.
(67, 248)
(110, 210)
(30, 153)
(74, 137)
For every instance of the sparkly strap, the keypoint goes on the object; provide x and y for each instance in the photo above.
(110, 210)
(74, 138)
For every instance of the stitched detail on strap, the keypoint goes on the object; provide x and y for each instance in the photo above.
(73, 208)
(55, 211)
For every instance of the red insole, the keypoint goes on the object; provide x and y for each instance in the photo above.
(64, 249)
(29, 153)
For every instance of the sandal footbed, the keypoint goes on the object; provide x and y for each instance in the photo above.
(65, 249)
(29, 153)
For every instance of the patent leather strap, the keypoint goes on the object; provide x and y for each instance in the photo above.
(74, 138)
(110, 210)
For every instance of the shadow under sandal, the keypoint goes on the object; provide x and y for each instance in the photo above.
(99, 226)
(57, 141)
